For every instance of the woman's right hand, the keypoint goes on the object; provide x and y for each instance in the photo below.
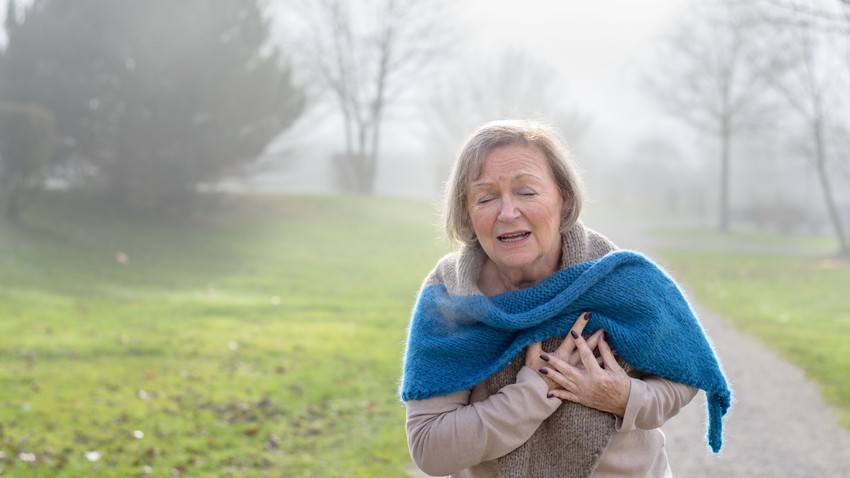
(567, 351)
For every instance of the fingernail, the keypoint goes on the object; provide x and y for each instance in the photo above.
(544, 371)
(604, 336)
(574, 334)
(587, 315)
(549, 395)
(544, 357)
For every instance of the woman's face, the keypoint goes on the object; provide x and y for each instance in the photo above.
(516, 209)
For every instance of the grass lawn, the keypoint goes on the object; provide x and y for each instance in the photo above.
(262, 340)
(827, 243)
(799, 306)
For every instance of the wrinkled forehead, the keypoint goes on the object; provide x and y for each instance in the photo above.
(477, 161)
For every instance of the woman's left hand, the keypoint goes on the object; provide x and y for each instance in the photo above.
(604, 387)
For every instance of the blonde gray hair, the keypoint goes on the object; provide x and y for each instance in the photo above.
(467, 167)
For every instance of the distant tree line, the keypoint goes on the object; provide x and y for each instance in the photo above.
(140, 101)
(776, 68)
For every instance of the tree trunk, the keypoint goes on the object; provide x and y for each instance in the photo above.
(365, 181)
(346, 121)
(9, 202)
(372, 157)
(725, 139)
(826, 188)
(377, 105)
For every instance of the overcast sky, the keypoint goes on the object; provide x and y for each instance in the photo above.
(599, 46)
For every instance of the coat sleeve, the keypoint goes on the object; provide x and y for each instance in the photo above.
(446, 434)
(652, 401)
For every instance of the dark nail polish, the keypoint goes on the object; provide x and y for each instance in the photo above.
(544, 357)
(549, 395)
(574, 334)
(544, 371)
(587, 315)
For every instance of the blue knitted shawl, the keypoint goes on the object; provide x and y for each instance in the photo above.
(456, 342)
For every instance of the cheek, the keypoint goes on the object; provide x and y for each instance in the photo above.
(478, 219)
(550, 216)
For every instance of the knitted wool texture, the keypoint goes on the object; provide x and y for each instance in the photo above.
(456, 341)
(571, 441)
(567, 444)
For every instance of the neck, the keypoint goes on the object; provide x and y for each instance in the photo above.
(495, 280)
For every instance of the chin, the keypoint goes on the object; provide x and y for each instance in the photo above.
(517, 262)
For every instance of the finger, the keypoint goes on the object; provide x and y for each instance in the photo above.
(548, 376)
(563, 395)
(588, 360)
(608, 359)
(568, 345)
(558, 365)
(580, 323)
(532, 355)
(560, 379)
(593, 340)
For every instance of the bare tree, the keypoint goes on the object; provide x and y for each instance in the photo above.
(805, 69)
(703, 77)
(511, 84)
(365, 53)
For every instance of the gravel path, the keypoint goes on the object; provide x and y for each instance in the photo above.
(779, 425)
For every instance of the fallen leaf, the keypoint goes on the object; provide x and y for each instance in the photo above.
(27, 457)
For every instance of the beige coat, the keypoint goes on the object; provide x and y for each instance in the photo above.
(462, 434)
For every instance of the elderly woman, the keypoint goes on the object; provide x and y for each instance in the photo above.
(484, 396)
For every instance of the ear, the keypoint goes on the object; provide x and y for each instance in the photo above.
(566, 205)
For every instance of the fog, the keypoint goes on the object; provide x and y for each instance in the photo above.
(602, 54)
(691, 108)
(597, 49)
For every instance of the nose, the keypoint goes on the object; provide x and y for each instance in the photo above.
(508, 211)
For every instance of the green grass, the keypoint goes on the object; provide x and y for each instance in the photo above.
(755, 238)
(798, 306)
(263, 340)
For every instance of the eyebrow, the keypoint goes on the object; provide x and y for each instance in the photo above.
(518, 176)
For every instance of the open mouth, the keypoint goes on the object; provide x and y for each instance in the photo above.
(513, 237)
